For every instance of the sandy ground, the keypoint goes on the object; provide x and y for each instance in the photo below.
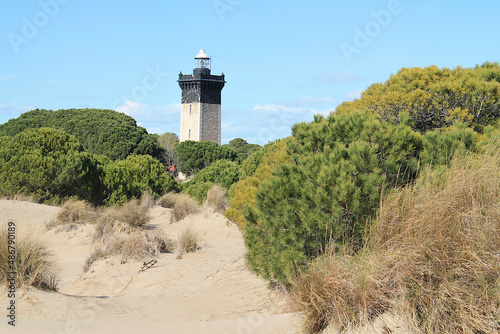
(209, 291)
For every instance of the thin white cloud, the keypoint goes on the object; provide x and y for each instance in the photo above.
(353, 95)
(335, 78)
(12, 110)
(156, 119)
(271, 109)
(147, 113)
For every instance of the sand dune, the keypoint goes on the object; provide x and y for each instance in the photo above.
(209, 291)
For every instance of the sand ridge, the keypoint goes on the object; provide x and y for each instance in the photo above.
(208, 291)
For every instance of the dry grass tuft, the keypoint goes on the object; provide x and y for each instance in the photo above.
(33, 262)
(184, 206)
(134, 214)
(139, 245)
(433, 258)
(71, 214)
(216, 198)
(168, 200)
(147, 200)
(104, 228)
(189, 240)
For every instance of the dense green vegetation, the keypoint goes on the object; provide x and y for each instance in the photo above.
(222, 172)
(323, 188)
(194, 156)
(129, 178)
(242, 148)
(48, 164)
(435, 98)
(51, 165)
(102, 132)
(329, 190)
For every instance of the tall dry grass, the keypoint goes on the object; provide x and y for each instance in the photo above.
(134, 214)
(33, 261)
(188, 240)
(168, 200)
(147, 200)
(216, 198)
(72, 214)
(432, 257)
(184, 206)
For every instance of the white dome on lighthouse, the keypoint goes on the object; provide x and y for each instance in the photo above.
(202, 55)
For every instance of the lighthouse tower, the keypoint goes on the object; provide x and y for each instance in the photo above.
(201, 102)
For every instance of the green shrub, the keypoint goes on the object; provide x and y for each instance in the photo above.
(101, 132)
(431, 258)
(329, 190)
(49, 165)
(194, 156)
(441, 145)
(242, 194)
(435, 98)
(223, 172)
(198, 190)
(129, 178)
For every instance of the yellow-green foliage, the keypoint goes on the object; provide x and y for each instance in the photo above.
(434, 97)
(432, 258)
(242, 193)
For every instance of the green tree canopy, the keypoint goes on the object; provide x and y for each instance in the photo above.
(242, 148)
(103, 132)
(129, 178)
(329, 190)
(48, 164)
(193, 156)
(435, 98)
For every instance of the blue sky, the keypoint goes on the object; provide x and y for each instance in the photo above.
(284, 61)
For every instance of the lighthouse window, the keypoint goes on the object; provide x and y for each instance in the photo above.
(190, 109)
(189, 134)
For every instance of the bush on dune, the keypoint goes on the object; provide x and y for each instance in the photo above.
(257, 168)
(330, 189)
(432, 258)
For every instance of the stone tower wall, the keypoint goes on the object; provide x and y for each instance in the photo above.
(211, 122)
(190, 122)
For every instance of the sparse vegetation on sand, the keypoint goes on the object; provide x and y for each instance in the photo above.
(432, 257)
(184, 205)
(72, 214)
(189, 240)
(33, 263)
(216, 198)
(168, 200)
(134, 214)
